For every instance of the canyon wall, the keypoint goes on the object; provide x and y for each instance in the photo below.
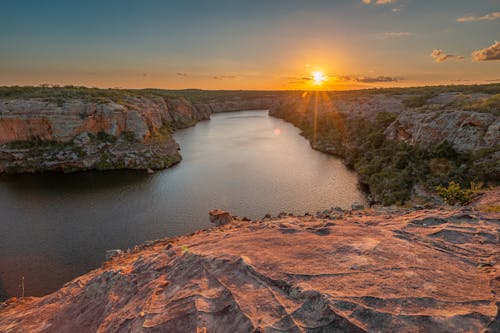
(132, 133)
(131, 130)
(403, 144)
(439, 120)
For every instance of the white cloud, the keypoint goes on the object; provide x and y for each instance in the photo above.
(488, 17)
(489, 53)
(441, 56)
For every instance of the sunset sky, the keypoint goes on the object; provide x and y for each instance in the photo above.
(257, 44)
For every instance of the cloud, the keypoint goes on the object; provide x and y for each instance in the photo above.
(488, 17)
(367, 79)
(223, 77)
(489, 53)
(207, 76)
(379, 2)
(395, 34)
(344, 78)
(441, 56)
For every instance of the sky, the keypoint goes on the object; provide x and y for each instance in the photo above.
(249, 44)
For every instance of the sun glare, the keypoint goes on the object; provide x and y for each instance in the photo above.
(318, 78)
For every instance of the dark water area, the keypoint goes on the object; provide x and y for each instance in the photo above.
(54, 227)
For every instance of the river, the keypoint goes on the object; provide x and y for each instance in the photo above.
(55, 227)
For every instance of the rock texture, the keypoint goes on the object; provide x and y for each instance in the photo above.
(467, 130)
(134, 133)
(220, 217)
(385, 270)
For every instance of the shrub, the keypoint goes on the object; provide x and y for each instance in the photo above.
(490, 105)
(455, 194)
(105, 137)
(417, 101)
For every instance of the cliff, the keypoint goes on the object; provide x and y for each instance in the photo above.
(75, 128)
(458, 118)
(404, 142)
(376, 270)
(134, 133)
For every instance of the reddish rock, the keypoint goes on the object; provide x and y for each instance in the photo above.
(377, 271)
(220, 217)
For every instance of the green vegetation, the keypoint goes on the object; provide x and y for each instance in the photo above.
(456, 194)
(61, 94)
(417, 100)
(129, 136)
(490, 105)
(390, 169)
(104, 137)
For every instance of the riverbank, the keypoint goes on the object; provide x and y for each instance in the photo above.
(405, 142)
(76, 129)
(381, 269)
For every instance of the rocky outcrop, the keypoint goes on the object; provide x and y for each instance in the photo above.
(351, 105)
(132, 133)
(377, 270)
(220, 217)
(467, 131)
(436, 122)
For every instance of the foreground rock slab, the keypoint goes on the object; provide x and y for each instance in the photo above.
(361, 271)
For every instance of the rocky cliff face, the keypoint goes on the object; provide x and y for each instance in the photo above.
(377, 270)
(133, 133)
(438, 121)
(467, 131)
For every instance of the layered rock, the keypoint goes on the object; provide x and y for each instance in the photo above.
(467, 130)
(386, 270)
(133, 133)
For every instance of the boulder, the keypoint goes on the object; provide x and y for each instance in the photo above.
(220, 217)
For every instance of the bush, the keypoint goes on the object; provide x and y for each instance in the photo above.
(105, 137)
(490, 105)
(417, 101)
(455, 194)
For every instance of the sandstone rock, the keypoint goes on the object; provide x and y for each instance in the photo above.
(220, 217)
(78, 125)
(110, 254)
(412, 271)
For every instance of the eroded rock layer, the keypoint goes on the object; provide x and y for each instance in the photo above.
(385, 270)
(134, 133)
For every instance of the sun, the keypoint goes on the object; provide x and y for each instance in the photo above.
(318, 78)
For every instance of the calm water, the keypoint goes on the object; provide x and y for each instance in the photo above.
(54, 227)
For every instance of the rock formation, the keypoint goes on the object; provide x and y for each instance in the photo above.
(132, 130)
(220, 217)
(438, 121)
(133, 133)
(377, 270)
